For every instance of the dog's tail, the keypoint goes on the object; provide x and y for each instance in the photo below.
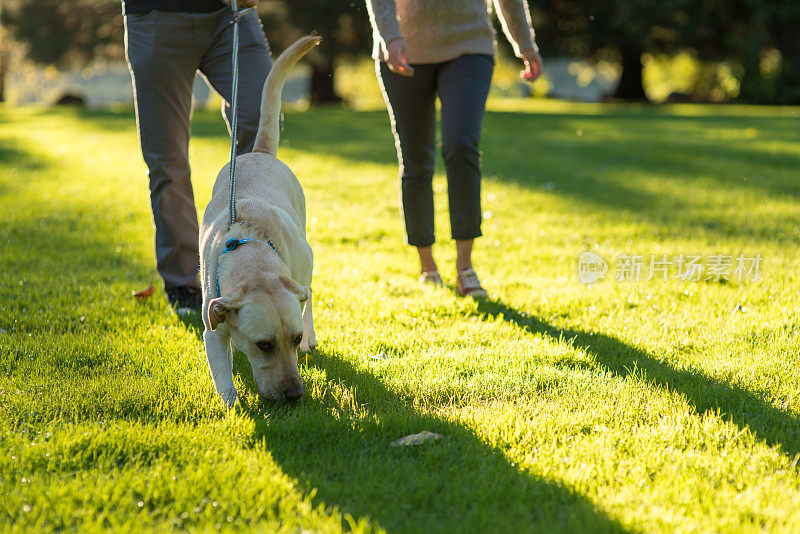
(269, 126)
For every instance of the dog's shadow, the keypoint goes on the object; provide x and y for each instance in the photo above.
(193, 323)
(336, 443)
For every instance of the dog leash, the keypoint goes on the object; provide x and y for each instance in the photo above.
(232, 244)
(234, 106)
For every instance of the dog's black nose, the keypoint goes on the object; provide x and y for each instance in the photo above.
(292, 392)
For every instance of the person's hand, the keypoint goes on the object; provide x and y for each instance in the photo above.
(242, 3)
(533, 65)
(398, 57)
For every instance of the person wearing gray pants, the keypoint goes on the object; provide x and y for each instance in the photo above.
(445, 48)
(167, 42)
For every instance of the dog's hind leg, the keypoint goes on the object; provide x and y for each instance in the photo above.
(309, 341)
(220, 363)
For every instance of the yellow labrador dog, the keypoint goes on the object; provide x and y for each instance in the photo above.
(256, 275)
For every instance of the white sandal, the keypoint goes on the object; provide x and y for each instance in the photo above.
(468, 285)
(431, 278)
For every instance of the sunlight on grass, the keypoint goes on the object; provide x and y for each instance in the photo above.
(650, 406)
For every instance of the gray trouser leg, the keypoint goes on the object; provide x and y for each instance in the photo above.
(463, 87)
(254, 65)
(164, 52)
(163, 64)
(412, 110)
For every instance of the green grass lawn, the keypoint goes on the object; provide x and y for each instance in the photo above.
(625, 406)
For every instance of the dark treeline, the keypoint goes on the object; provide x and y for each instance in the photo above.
(758, 38)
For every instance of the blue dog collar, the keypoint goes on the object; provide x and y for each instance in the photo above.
(230, 246)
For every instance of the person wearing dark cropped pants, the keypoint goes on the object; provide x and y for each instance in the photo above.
(462, 85)
(426, 49)
(167, 42)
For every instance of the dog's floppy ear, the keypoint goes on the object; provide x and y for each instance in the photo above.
(301, 291)
(220, 307)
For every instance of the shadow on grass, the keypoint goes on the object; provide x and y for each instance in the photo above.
(337, 445)
(110, 120)
(674, 146)
(620, 138)
(744, 408)
(611, 166)
(650, 166)
(617, 163)
(17, 159)
(194, 324)
(646, 164)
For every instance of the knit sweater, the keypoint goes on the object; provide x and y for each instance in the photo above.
(441, 30)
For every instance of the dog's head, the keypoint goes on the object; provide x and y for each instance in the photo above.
(265, 317)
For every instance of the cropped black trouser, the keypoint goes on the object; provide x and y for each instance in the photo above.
(462, 85)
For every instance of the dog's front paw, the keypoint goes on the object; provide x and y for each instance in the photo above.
(307, 344)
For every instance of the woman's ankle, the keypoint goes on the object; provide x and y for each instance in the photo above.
(426, 261)
(463, 254)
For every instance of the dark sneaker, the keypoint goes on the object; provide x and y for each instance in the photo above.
(185, 299)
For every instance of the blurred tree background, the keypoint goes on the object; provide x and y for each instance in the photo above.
(751, 47)
(758, 39)
(344, 26)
